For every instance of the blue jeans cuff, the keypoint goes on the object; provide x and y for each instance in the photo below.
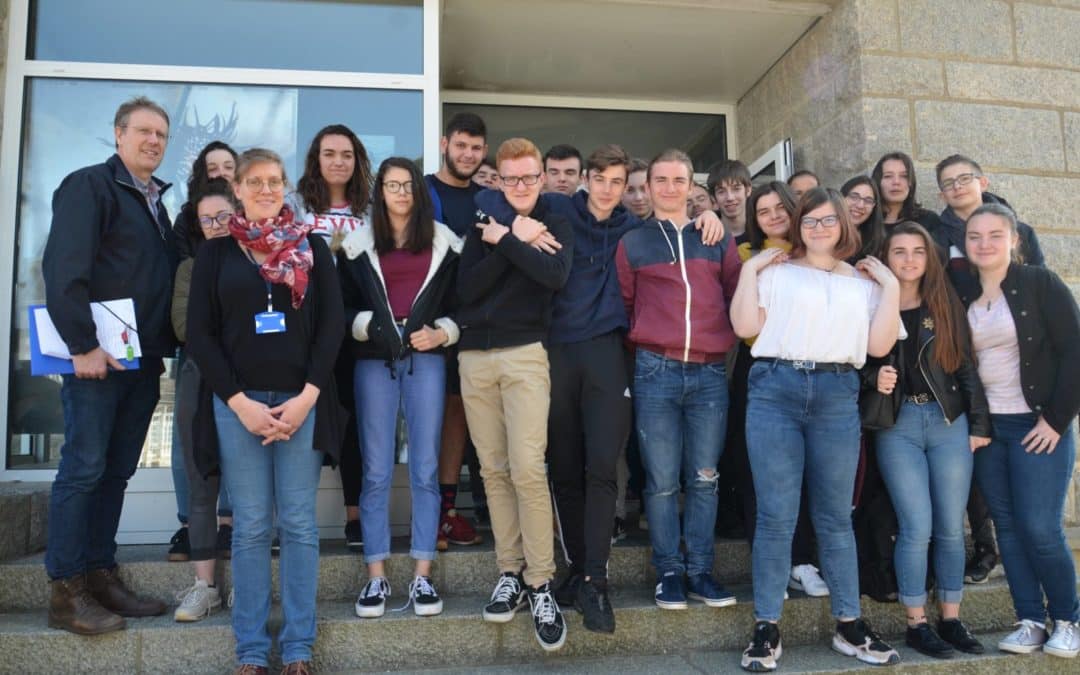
(918, 600)
(949, 596)
(375, 557)
(422, 555)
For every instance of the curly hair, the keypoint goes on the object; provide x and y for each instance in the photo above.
(312, 189)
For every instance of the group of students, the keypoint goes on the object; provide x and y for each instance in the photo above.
(555, 324)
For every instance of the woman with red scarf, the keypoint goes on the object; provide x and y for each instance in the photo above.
(266, 337)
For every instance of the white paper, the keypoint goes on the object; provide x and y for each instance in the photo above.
(110, 329)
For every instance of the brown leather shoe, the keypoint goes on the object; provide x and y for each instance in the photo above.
(107, 588)
(72, 608)
(297, 668)
(249, 669)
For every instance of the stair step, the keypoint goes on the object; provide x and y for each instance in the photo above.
(816, 658)
(462, 570)
(456, 638)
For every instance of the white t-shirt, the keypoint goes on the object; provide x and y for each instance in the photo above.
(812, 315)
(332, 225)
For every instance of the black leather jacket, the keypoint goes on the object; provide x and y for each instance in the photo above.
(1048, 332)
(957, 393)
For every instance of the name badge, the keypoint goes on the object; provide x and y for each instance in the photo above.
(269, 322)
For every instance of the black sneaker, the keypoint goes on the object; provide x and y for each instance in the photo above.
(618, 531)
(354, 536)
(978, 570)
(924, 640)
(424, 598)
(224, 542)
(507, 598)
(592, 601)
(567, 590)
(180, 546)
(855, 638)
(547, 619)
(764, 650)
(371, 603)
(956, 633)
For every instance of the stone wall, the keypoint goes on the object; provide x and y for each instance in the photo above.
(996, 80)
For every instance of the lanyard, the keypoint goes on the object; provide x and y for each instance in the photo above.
(269, 291)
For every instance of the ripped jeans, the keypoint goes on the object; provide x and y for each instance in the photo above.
(681, 411)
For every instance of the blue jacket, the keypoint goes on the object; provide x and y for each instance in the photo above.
(104, 244)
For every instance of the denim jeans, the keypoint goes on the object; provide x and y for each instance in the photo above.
(105, 424)
(417, 385)
(681, 422)
(803, 422)
(927, 464)
(1026, 496)
(280, 478)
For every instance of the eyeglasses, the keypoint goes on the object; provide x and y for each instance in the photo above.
(257, 184)
(963, 179)
(147, 132)
(854, 198)
(221, 219)
(396, 186)
(811, 223)
(529, 180)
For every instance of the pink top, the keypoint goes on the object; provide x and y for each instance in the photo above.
(993, 334)
(404, 273)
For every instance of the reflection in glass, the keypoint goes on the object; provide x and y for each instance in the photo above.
(69, 125)
(642, 134)
(369, 36)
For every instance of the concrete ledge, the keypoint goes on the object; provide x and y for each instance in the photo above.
(458, 637)
(462, 570)
(24, 512)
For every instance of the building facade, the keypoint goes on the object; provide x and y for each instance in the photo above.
(845, 81)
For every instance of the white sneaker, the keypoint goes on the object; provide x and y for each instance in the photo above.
(1029, 637)
(371, 603)
(807, 579)
(197, 602)
(1065, 642)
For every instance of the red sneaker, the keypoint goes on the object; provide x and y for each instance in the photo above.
(455, 529)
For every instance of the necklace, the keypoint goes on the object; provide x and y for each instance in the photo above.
(822, 269)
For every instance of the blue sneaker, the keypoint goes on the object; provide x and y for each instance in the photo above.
(671, 591)
(702, 587)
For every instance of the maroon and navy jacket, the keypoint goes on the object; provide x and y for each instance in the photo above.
(677, 291)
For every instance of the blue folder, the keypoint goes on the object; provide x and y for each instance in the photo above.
(40, 364)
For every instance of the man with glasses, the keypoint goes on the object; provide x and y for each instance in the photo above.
(963, 187)
(110, 238)
(505, 286)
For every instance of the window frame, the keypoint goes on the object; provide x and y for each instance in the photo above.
(20, 71)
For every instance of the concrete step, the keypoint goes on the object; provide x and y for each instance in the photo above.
(462, 570)
(456, 638)
(797, 659)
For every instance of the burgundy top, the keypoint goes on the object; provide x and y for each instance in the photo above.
(404, 273)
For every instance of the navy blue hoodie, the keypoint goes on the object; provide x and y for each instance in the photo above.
(952, 233)
(590, 304)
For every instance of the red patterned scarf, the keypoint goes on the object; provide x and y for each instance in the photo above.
(285, 240)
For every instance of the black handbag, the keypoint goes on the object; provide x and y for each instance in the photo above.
(876, 410)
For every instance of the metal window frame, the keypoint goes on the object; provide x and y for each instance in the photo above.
(20, 69)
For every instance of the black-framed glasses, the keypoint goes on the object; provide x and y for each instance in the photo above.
(528, 179)
(221, 219)
(854, 198)
(811, 223)
(396, 186)
(963, 179)
(257, 184)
